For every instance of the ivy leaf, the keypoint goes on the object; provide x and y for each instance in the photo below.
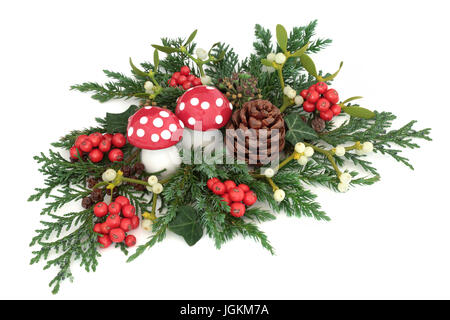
(308, 64)
(136, 70)
(298, 129)
(117, 122)
(187, 225)
(282, 37)
(267, 63)
(167, 50)
(331, 77)
(358, 112)
(191, 37)
(156, 60)
(300, 51)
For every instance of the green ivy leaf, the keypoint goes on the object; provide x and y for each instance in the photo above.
(358, 112)
(156, 60)
(282, 37)
(191, 37)
(300, 51)
(187, 225)
(136, 70)
(298, 129)
(266, 63)
(331, 77)
(167, 50)
(309, 65)
(118, 122)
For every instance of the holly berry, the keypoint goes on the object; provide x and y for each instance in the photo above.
(126, 225)
(86, 145)
(105, 145)
(74, 152)
(219, 188)
(237, 209)
(176, 75)
(250, 198)
(134, 222)
(321, 87)
(182, 79)
(322, 104)
(104, 240)
(226, 198)
(312, 96)
(173, 83)
(105, 228)
(80, 139)
(187, 85)
(98, 228)
(236, 194)
(327, 115)
(108, 136)
(123, 201)
(197, 82)
(185, 70)
(191, 77)
(115, 155)
(100, 209)
(130, 240)
(211, 182)
(244, 187)
(229, 184)
(128, 211)
(332, 96)
(114, 208)
(336, 109)
(95, 155)
(308, 106)
(119, 140)
(304, 93)
(95, 138)
(117, 235)
(113, 221)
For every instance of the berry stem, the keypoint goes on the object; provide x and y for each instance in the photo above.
(328, 154)
(273, 185)
(155, 199)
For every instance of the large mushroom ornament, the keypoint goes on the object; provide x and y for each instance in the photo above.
(203, 110)
(156, 131)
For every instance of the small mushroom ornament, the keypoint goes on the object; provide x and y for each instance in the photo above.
(203, 110)
(156, 131)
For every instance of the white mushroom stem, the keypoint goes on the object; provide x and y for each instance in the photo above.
(158, 160)
(210, 139)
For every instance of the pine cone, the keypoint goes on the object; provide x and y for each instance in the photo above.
(318, 124)
(264, 118)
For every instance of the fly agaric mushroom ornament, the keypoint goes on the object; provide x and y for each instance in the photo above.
(203, 110)
(156, 131)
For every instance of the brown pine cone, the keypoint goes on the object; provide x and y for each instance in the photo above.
(139, 168)
(87, 202)
(267, 121)
(318, 124)
(127, 171)
(91, 182)
(97, 195)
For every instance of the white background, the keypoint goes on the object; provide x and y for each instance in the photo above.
(390, 240)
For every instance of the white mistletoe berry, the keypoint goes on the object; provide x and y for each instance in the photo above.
(309, 152)
(279, 195)
(148, 86)
(286, 90)
(147, 224)
(271, 57)
(345, 178)
(157, 188)
(303, 160)
(152, 180)
(299, 100)
(206, 80)
(269, 172)
(109, 175)
(291, 94)
(340, 151)
(343, 187)
(280, 58)
(300, 147)
(367, 147)
(201, 54)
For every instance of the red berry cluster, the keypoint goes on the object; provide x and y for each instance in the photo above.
(184, 78)
(96, 144)
(320, 97)
(237, 197)
(120, 218)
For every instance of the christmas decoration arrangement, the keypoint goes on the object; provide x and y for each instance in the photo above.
(210, 144)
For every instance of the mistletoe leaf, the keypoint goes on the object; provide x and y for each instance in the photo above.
(359, 112)
(298, 130)
(167, 50)
(117, 122)
(187, 225)
(156, 60)
(191, 37)
(282, 37)
(136, 70)
(300, 51)
(308, 64)
(267, 63)
(351, 99)
(334, 75)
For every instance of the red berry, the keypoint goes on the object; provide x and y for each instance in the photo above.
(105, 228)
(250, 198)
(244, 187)
(115, 155)
(80, 139)
(130, 240)
(105, 145)
(237, 209)
(123, 201)
(332, 96)
(128, 211)
(304, 93)
(197, 82)
(176, 75)
(104, 240)
(229, 184)
(312, 96)
(113, 221)
(236, 194)
(98, 228)
(86, 145)
(211, 182)
(134, 222)
(182, 79)
(95, 155)
(108, 136)
(219, 188)
(323, 104)
(119, 140)
(95, 138)
(321, 87)
(226, 198)
(74, 152)
(173, 83)
(117, 235)
(114, 208)
(191, 77)
(187, 85)
(185, 70)
(308, 106)
(100, 209)
(126, 225)
(336, 109)
(327, 115)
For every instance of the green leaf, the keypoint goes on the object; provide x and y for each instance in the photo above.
(352, 99)
(308, 64)
(191, 37)
(137, 71)
(331, 77)
(282, 37)
(298, 129)
(117, 122)
(156, 60)
(358, 112)
(167, 50)
(187, 225)
(300, 51)
(266, 63)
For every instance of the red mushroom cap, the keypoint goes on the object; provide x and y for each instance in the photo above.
(205, 106)
(154, 128)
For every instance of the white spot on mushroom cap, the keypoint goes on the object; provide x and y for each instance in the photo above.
(194, 101)
(143, 120)
(191, 121)
(210, 88)
(231, 106)
(166, 134)
(219, 102)
(148, 107)
(182, 105)
(158, 122)
(155, 137)
(130, 131)
(173, 127)
(181, 123)
(140, 133)
(219, 119)
(205, 105)
(164, 114)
